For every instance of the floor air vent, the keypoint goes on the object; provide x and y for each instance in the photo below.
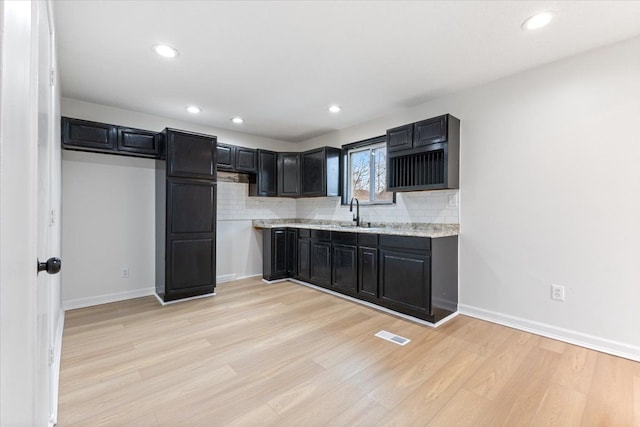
(393, 338)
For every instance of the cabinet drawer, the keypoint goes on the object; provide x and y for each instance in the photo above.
(304, 233)
(322, 235)
(405, 242)
(366, 239)
(344, 237)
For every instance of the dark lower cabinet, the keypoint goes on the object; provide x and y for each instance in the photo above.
(321, 263)
(368, 273)
(292, 252)
(303, 262)
(345, 269)
(280, 250)
(274, 260)
(186, 216)
(405, 282)
(417, 276)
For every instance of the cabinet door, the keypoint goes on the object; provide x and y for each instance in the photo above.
(345, 269)
(191, 206)
(405, 282)
(321, 263)
(292, 251)
(279, 252)
(86, 134)
(430, 131)
(265, 179)
(190, 155)
(246, 160)
(226, 157)
(400, 138)
(368, 273)
(289, 174)
(137, 141)
(304, 259)
(313, 180)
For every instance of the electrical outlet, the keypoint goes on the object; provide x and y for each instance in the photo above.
(452, 202)
(124, 273)
(557, 292)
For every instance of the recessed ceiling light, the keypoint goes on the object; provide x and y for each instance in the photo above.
(335, 108)
(538, 21)
(237, 120)
(193, 109)
(165, 51)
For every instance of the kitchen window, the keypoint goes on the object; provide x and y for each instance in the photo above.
(365, 166)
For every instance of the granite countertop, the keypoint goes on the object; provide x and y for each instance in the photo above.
(418, 230)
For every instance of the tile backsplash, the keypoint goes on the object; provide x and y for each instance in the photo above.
(437, 207)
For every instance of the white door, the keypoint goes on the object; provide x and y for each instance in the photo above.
(28, 178)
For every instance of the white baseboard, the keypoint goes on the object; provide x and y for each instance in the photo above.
(175, 301)
(55, 369)
(604, 345)
(234, 276)
(105, 299)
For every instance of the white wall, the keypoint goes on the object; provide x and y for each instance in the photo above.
(549, 193)
(108, 217)
(239, 245)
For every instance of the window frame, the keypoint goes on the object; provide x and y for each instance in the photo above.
(346, 167)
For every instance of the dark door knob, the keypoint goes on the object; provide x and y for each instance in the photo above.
(52, 266)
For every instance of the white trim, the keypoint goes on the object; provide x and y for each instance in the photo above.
(233, 276)
(604, 345)
(105, 299)
(369, 304)
(213, 294)
(271, 282)
(55, 369)
(226, 278)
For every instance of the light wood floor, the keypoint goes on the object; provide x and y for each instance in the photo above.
(288, 355)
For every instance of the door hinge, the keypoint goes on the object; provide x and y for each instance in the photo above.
(52, 77)
(52, 355)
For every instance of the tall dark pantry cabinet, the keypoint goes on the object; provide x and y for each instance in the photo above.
(185, 215)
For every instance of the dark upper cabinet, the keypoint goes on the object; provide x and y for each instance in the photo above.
(190, 155)
(237, 159)
(246, 160)
(85, 134)
(430, 131)
(424, 155)
(400, 138)
(289, 174)
(137, 141)
(264, 182)
(226, 158)
(320, 172)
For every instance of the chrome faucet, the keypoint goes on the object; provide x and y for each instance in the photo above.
(356, 217)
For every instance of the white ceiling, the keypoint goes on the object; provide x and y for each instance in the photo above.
(280, 64)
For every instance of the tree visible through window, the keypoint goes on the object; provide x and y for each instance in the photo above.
(368, 174)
